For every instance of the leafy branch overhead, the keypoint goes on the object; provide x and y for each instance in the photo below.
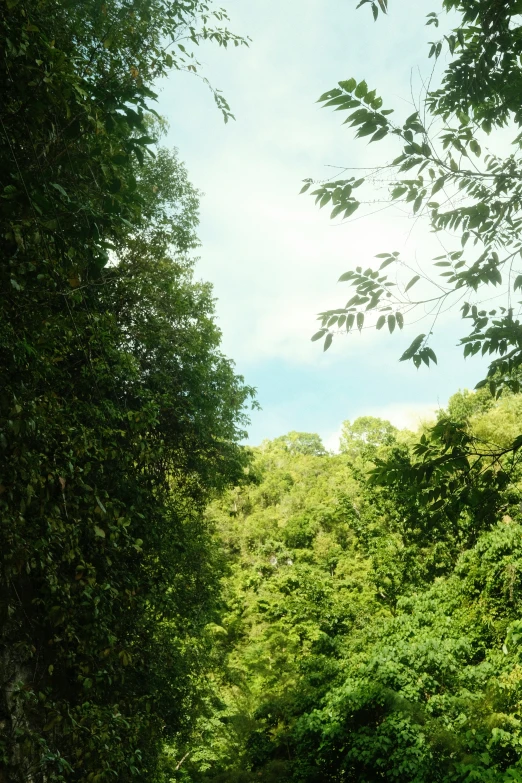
(443, 173)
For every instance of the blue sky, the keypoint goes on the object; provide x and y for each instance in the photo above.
(272, 257)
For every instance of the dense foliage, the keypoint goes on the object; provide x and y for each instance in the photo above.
(431, 693)
(119, 417)
(171, 610)
(366, 636)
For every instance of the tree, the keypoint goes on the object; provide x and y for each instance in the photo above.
(302, 443)
(441, 173)
(365, 435)
(119, 416)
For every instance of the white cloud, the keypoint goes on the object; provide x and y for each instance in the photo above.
(273, 257)
(331, 442)
(408, 416)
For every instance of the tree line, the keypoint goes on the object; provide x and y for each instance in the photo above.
(365, 636)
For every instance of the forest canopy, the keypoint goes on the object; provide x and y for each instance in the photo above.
(365, 637)
(176, 607)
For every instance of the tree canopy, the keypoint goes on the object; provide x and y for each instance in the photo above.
(365, 637)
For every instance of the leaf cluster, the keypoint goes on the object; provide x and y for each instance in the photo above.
(442, 174)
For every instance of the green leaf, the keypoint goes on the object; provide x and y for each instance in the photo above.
(414, 347)
(439, 184)
(330, 94)
(412, 283)
(380, 134)
(391, 323)
(361, 90)
(100, 505)
(60, 189)
(386, 263)
(517, 443)
(318, 335)
(351, 208)
(328, 341)
(360, 321)
(348, 85)
(325, 199)
(99, 532)
(475, 147)
(380, 322)
(431, 355)
(366, 129)
(398, 191)
(144, 140)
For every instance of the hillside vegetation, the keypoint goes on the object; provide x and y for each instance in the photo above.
(366, 635)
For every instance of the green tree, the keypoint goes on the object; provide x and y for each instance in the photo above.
(465, 404)
(365, 435)
(119, 416)
(367, 635)
(302, 443)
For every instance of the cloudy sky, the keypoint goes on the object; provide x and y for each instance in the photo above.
(272, 257)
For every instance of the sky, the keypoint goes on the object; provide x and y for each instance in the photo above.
(271, 255)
